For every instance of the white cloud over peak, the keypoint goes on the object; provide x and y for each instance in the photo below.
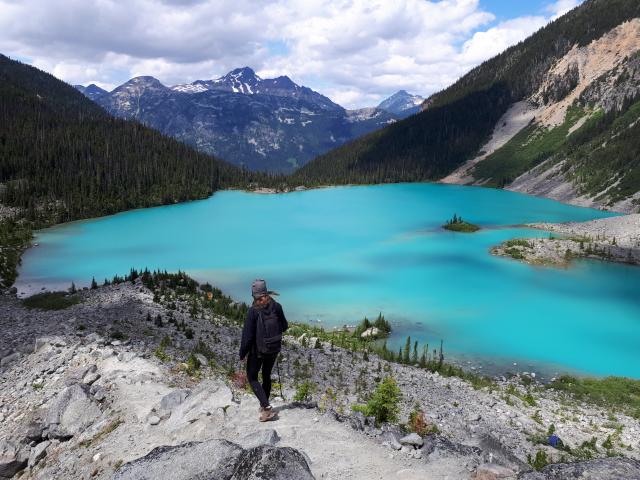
(355, 51)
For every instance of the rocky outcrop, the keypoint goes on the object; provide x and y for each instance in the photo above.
(84, 406)
(70, 413)
(13, 458)
(217, 460)
(600, 469)
(214, 459)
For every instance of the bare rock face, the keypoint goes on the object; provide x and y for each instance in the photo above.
(71, 412)
(272, 463)
(13, 458)
(609, 468)
(213, 459)
(217, 460)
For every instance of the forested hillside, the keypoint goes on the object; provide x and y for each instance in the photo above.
(456, 123)
(62, 157)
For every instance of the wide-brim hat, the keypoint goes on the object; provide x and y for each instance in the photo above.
(259, 289)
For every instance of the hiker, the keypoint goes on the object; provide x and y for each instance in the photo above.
(261, 343)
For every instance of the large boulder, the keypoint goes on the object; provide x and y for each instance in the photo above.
(598, 469)
(213, 459)
(262, 437)
(70, 413)
(217, 460)
(272, 463)
(13, 458)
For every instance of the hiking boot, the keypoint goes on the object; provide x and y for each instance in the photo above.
(267, 414)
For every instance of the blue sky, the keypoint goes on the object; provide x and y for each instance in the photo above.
(357, 52)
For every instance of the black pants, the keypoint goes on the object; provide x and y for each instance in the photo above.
(253, 367)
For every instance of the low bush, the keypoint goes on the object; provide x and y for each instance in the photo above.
(384, 403)
(51, 301)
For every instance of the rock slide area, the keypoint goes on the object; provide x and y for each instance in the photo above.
(86, 392)
(615, 239)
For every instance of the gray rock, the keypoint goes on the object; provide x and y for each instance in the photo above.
(173, 399)
(89, 378)
(33, 431)
(52, 341)
(70, 412)
(437, 444)
(392, 440)
(38, 453)
(272, 463)
(10, 359)
(153, 420)
(602, 468)
(202, 359)
(412, 439)
(493, 471)
(261, 437)
(126, 356)
(12, 458)
(95, 338)
(501, 453)
(214, 459)
(98, 392)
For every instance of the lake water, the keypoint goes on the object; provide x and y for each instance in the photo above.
(338, 254)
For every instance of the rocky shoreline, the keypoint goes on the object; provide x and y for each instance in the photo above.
(93, 390)
(615, 239)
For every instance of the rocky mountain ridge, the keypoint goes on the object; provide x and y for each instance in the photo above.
(261, 124)
(601, 78)
(556, 115)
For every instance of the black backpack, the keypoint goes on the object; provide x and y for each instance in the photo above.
(268, 331)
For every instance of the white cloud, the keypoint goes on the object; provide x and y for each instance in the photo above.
(355, 51)
(560, 7)
(483, 45)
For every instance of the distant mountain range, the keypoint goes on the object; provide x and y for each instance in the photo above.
(262, 124)
(557, 115)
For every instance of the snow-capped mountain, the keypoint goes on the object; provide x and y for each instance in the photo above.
(245, 81)
(402, 103)
(262, 124)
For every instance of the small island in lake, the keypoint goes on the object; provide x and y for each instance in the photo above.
(457, 224)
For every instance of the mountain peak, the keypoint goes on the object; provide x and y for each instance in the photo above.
(402, 103)
(92, 90)
(242, 71)
(145, 81)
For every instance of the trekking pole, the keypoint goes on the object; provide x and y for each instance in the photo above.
(280, 380)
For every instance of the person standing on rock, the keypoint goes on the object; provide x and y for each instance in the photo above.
(261, 342)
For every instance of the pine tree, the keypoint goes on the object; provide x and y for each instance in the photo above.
(94, 284)
(407, 350)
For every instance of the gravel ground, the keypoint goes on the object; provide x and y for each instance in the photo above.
(498, 421)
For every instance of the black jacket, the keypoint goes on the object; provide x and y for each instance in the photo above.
(247, 344)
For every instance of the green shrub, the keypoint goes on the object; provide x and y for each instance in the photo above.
(540, 461)
(51, 301)
(608, 392)
(161, 354)
(384, 403)
(304, 391)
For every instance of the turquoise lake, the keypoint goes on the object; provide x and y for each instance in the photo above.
(339, 254)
